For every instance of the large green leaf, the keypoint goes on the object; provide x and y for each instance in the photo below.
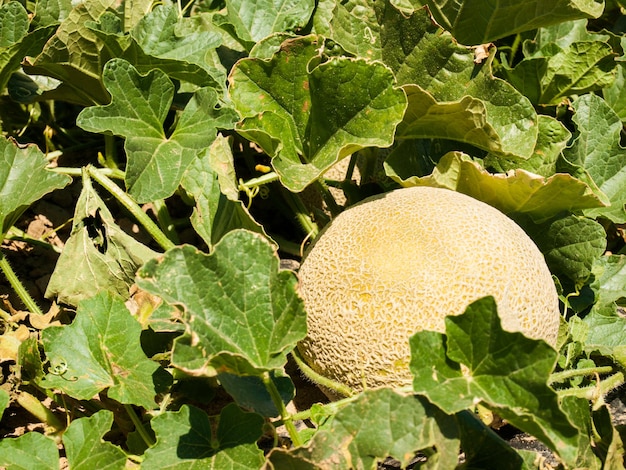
(308, 116)
(23, 180)
(378, 424)
(243, 315)
(514, 192)
(156, 161)
(453, 96)
(31, 451)
(189, 439)
(85, 448)
(99, 256)
(597, 150)
(100, 350)
(615, 94)
(475, 22)
(506, 371)
(609, 281)
(254, 21)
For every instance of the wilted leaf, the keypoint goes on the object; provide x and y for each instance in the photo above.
(23, 180)
(517, 191)
(100, 350)
(242, 314)
(506, 371)
(99, 256)
(186, 439)
(32, 451)
(156, 162)
(378, 424)
(309, 116)
(85, 447)
(597, 150)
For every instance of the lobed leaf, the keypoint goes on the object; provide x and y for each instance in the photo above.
(100, 350)
(242, 314)
(32, 451)
(156, 162)
(23, 180)
(85, 447)
(598, 151)
(308, 115)
(378, 424)
(506, 371)
(186, 440)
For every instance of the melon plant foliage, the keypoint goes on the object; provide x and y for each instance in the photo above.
(211, 125)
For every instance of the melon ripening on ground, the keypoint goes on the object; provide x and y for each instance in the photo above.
(401, 262)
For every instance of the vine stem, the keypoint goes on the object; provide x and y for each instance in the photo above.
(320, 379)
(37, 409)
(139, 426)
(141, 217)
(17, 286)
(588, 371)
(286, 418)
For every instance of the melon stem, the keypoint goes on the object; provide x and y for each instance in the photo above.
(285, 416)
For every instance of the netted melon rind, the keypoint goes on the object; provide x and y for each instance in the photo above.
(399, 263)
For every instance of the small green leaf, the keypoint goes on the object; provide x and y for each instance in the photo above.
(5, 398)
(571, 246)
(32, 451)
(186, 440)
(23, 180)
(254, 21)
(506, 371)
(378, 424)
(314, 113)
(597, 149)
(517, 191)
(609, 282)
(85, 447)
(99, 256)
(251, 393)
(479, 24)
(100, 350)
(243, 315)
(215, 213)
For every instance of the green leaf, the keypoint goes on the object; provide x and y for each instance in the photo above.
(506, 371)
(452, 96)
(298, 111)
(215, 213)
(609, 282)
(16, 42)
(51, 12)
(615, 94)
(31, 451)
(378, 424)
(186, 440)
(478, 24)
(75, 56)
(242, 314)
(99, 256)
(23, 180)
(572, 246)
(100, 350)
(156, 162)
(254, 21)
(85, 447)
(514, 192)
(597, 150)
(251, 393)
(5, 399)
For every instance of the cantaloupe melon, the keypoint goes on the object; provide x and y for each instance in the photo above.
(401, 262)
